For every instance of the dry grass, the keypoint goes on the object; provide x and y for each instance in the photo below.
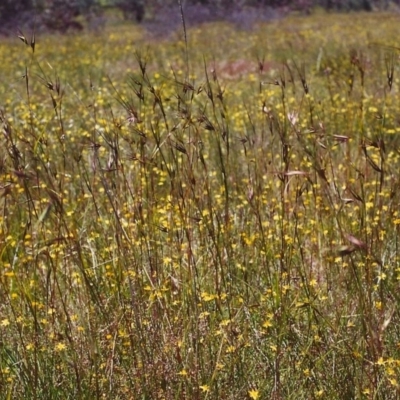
(168, 232)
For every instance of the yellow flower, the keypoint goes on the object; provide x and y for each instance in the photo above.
(267, 323)
(5, 322)
(60, 346)
(182, 373)
(254, 394)
(380, 361)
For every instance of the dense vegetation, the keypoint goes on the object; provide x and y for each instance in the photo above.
(61, 15)
(216, 219)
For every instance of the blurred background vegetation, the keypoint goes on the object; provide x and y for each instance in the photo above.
(61, 15)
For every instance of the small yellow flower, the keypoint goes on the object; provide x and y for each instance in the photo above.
(182, 373)
(267, 323)
(205, 388)
(254, 394)
(231, 349)
(5, 322)
(393, 382)
(380, 361)
(60, 346)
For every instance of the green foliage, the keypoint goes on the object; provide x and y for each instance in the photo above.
(62, 15)
(9, 8)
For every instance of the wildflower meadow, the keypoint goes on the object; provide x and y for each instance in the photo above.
(212, 214)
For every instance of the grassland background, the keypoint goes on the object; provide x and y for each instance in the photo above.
(216, 221)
